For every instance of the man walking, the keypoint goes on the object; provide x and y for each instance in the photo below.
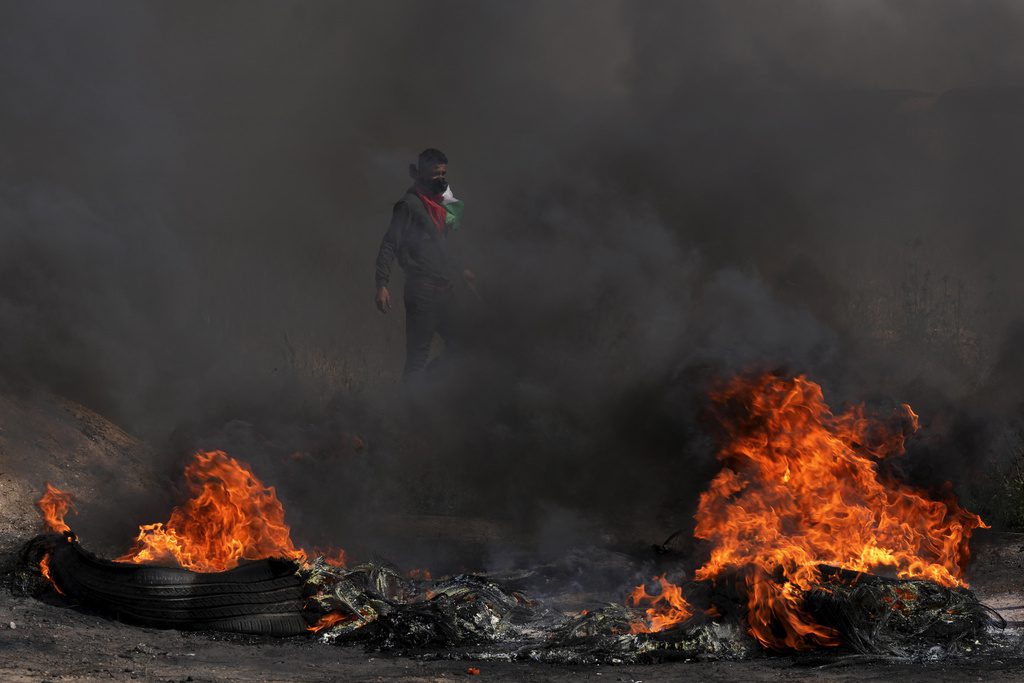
(419, 236)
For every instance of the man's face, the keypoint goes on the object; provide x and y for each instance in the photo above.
(429, 174)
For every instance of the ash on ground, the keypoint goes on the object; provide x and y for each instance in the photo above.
(493, 616)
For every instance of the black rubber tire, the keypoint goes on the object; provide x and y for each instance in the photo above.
(263, 597)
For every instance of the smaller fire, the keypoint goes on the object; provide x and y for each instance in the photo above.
(334, 556)
(44, 568)
(231, 516)
(54, 506)
(420, 574)
(328, 620)
(666, 608)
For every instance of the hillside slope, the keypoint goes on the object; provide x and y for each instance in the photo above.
(45, 438)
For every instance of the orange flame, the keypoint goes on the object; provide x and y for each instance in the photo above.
(335, 556)
(801, 487)
(44, 568)
(420, 574)
(54, 505)
(667, 607)
(328, 620)
(231, 516)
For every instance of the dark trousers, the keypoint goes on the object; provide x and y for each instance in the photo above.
(429, 310)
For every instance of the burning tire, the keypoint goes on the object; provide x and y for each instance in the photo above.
(262, 597)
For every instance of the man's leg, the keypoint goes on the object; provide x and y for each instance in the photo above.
(420, 324)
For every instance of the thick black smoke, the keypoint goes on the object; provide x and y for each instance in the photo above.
(191, 197)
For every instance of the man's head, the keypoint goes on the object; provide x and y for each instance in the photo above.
(431, 170)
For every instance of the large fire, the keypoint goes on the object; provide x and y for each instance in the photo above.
(801, 487)
(231, 516)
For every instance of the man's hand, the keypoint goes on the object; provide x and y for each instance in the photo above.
(383, 299)
(469, 277)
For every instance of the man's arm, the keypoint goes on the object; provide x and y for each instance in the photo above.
(458, 264)
(389, 246)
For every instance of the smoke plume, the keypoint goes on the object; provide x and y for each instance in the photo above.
(658, 194)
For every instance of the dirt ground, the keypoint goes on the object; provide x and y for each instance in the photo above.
(42, 642)
(54, 644)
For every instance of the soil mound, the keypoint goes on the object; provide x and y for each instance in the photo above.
(46, 438)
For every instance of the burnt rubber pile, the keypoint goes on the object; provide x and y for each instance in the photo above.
(492, 616)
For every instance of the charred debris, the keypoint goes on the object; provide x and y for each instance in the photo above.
(530, 614)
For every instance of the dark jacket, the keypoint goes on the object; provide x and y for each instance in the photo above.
(422, 252)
